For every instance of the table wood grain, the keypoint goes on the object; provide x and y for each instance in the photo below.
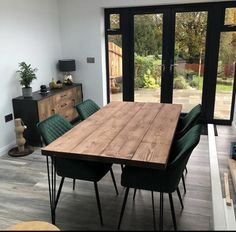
(133, 133)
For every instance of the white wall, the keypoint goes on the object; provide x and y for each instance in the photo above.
(29, 31)
(82, 26)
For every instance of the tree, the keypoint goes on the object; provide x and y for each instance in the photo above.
(190, 33)
(148, 34)
(115, 24)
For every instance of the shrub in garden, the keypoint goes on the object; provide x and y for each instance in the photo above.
(149, 81)
(147, 72)
(195, 82)
(180, 83)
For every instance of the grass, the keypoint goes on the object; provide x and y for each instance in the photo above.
(220, 87)
(224, 88)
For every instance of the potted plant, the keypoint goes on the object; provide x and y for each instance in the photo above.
(27, 75)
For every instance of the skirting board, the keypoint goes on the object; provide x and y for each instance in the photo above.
(4, 150)
(223, 216)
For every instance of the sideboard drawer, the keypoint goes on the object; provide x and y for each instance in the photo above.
(69, 113)
(65, 95)
(65, 104)
(45, 109)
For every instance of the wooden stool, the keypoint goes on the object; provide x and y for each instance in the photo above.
(33, 225)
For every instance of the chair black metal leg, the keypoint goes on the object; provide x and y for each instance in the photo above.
(184, 183)
(98, 202)
(135, 190)
(52, 187)
(123, 207)
(114, 181)
(172, 211)
(180, 199)
(73, 184)
(153, 211)
(161, 212)
(59, 191)
(186, 170)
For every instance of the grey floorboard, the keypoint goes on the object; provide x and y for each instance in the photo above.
(24, 197)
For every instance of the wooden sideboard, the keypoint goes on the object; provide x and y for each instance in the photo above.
(41, 106)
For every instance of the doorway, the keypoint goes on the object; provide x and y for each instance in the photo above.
(167, 55)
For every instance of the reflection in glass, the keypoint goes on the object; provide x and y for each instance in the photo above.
(115, 67)
(114, 21)
(225, 75)
(230, 16)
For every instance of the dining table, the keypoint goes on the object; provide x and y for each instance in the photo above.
(127, 133)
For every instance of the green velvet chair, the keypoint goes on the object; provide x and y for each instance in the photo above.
(188, 121)
(54, 127)
(163, 181)
(86, 108)
(185, 123)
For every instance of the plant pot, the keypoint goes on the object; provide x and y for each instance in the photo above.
(27, 92)
(115, 89)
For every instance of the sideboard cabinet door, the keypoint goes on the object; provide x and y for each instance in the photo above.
(40, 107)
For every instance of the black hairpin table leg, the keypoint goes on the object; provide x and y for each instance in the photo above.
(52, 187)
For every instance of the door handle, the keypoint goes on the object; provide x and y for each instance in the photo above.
(172, 67)
(163, 67)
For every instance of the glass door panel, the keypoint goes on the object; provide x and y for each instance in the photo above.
(188, 65)
(115, 67)
(148, 39)
(230, 16)
(225, 75)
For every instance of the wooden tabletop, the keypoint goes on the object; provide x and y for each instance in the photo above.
(33, 226)
(133, 133)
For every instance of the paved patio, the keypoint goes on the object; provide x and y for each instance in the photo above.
(188, 97)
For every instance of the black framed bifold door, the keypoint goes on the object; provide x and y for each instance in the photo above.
(182, 54)
(151, 52)
(188, 61)
(225, 65)
(136, 48)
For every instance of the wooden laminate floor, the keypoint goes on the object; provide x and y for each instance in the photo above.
(24, 196)
(223, 145)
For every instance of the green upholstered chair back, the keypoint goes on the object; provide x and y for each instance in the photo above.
(53, 127)
(167, 180)
(87, 108)
(189, 120)
(180, 153)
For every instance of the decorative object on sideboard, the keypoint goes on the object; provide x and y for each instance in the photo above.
(44, 90)
(67, 66)
(21, 149)
(26, 76)
(55, 85)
